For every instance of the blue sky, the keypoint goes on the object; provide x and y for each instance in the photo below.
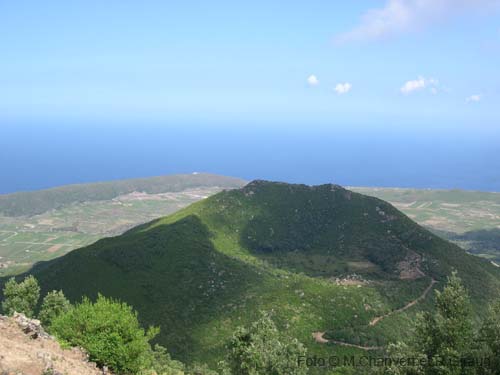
(422, 63)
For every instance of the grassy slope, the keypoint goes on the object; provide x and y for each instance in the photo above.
(212, 266)
(37, 202)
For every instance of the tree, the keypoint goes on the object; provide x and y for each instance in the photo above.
(489, 335)
(21, 297)
(53, 305)
(261, 349)
(443, 339)
(109, 331)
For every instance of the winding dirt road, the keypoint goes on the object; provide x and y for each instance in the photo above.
(319, 336)
(405, 307)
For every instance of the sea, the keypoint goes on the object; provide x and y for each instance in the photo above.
(37, 156)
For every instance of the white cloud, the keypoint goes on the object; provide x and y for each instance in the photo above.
(399, 16)
(419, 84)
(312, 80)
(343, 88)
(473, 98)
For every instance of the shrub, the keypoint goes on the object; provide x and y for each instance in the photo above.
(53, 305)
(21, 297)
(261, 349)
(163, 364)
(109, 331)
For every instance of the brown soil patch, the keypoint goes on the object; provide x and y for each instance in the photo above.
(318, 336)
(54, 248)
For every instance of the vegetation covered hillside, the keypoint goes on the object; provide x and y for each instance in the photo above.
(342, 272)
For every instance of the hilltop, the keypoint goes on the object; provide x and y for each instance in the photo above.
(342, 271)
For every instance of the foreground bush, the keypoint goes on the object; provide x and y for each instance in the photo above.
(443, 338)
(109, 331)
(262, 350)
(53, 305)
(21, 297)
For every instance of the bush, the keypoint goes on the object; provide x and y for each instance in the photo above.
(53, 305)
(109, 331)
(163, 364)
(21, 297)
(261, 349)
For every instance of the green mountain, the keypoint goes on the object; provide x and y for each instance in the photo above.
(36, 202)
(347, 269)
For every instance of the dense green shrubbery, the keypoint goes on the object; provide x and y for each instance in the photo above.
(109, 331)
(53, 305)
(445, 341)
(21, 297)
(262, 350)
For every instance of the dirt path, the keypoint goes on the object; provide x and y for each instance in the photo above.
(319, 336)
(9, 231)
(405, 307)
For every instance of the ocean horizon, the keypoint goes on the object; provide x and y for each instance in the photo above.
(35, 157)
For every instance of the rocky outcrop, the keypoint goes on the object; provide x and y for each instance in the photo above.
(26, 349)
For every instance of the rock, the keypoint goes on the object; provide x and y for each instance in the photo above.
(31, 327)
(26, 349)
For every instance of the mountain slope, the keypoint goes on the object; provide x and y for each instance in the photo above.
(471, 219)
(323, 258)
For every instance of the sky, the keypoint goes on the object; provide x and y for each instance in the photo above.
(318, 61)
(399, 69)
